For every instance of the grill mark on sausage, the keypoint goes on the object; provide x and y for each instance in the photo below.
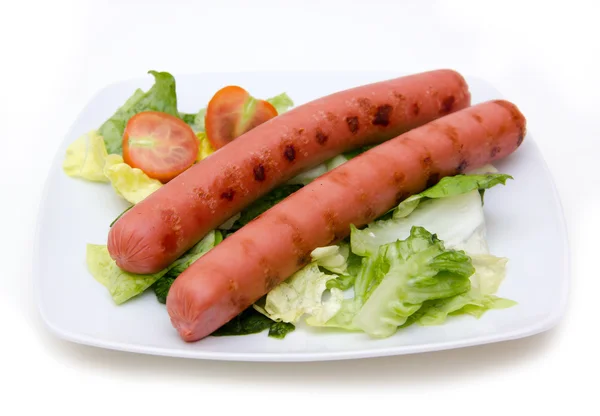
(228, 194)
(332, 118)
(271, 282)
(401, 196)
(462, 166)
(495, 150)
(170, 240)
(352, 123)
(416, 109)
(290, 152)
(271, 278)
(399, 96)
(340, 177)
(259, 172)
(447, 104)
(382, 115)
(298, 242)
(517, 118)
(331, 223)
(321, 137)
(399, 178)
(477, 118)
(365, 105)
(426, 162)
(433, 179)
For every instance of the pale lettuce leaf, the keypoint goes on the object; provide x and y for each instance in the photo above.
(303, 294)
(85, 158)
(130, 183)
(123, 285)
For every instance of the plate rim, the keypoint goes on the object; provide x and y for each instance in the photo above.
(550, 320)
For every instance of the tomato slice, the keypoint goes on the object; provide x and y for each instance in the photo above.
(231, 112)
(159, 144)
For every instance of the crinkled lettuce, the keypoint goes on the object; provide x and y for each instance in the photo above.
(333, 258)
(432, 263)
(453, 209)
(161, 97)
(412, 271)
(489, 274)
(123, 285)
(85, 158)
(88, 158)
(130, 183)
(281, 102)
(451, 186)
(302, 294)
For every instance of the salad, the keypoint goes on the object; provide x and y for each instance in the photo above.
(421, 263)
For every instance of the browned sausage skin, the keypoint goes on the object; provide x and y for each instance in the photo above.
(162, 227)
(247, 265)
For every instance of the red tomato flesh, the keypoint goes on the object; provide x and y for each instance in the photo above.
(161, 145)
(231, 112)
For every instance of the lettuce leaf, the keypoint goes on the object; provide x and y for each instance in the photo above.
(123, 285)
(195, 121)
(416, 270)
(250, 321)
(85, 158)
(163, 285)
(452, 209)
(205, 149)
(489, 274)
(161, 97)
(281, 102)
(301, 294)
(198, 250)
(451, 186)
(333, 258)
(130, 183)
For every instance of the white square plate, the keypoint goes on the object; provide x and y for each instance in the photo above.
(524, 221)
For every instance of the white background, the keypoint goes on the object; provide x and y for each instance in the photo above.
(56, 54)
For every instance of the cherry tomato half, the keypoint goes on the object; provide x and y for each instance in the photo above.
(161, 145)
(231, 112)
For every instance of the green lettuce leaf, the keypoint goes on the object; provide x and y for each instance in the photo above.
(247, 322)
(161, 97)
(281, 102)
(280, 329)
(489, 274)
(458, 219)
(162, 287)
(250, 321)
(415, 270)
(451, 186)
(123, 285)
(198, 250)
(368, 275)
